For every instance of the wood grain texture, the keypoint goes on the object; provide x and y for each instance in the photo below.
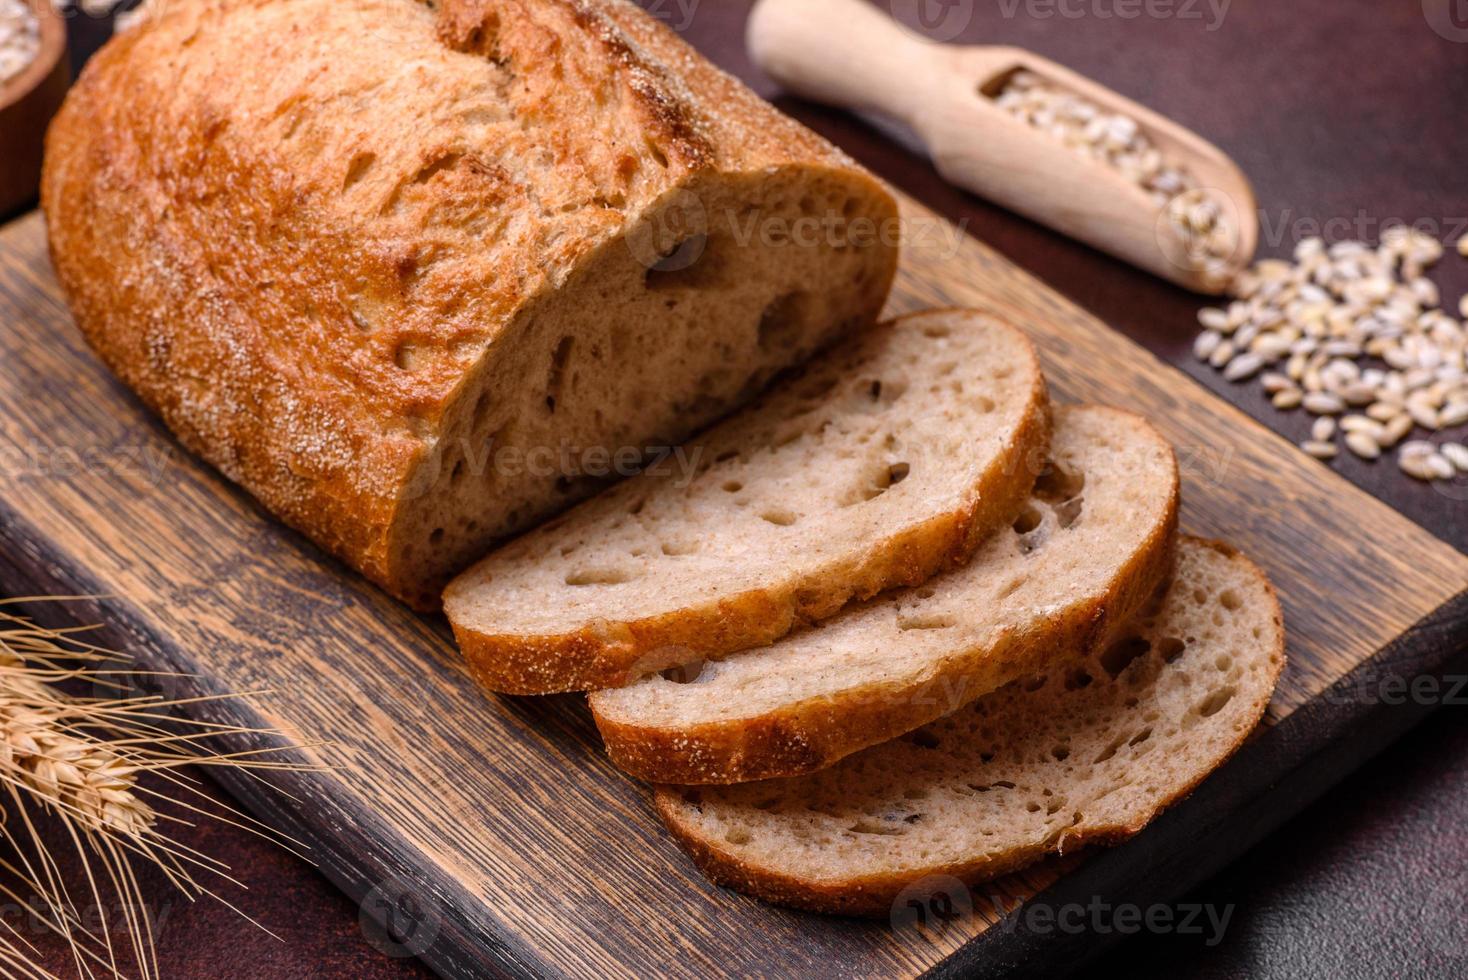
(524, 850)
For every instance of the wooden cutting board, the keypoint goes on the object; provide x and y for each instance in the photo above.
(493, 836)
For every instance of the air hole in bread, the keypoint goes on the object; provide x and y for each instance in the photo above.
(1170, 648)
(781, 323)
(880, 478)
(928, 622)
(556, 376)
(922, 738)
(600, 576)
(732, 486)
(936, 331)
(1056, 484)
(1014, 586)
(436, 537)
(782, 518)
(684, 673)
(1230, 600)
(1061, 753)
(874, 827)
(674, 549)
(357, 169)
(657, 154)
(687, 266)
(406, 357)
(738, 837)
(445, 161)
(1068, 513)
(1214, 703)
(1032, 807)
(1028, 520)
(1119, 656)
(1110, 750)
(1078, 679)
(458, 472)
(1141, 737)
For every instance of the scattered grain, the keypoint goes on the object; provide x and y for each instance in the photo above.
(20, 38)
(1363, 445)
(1457, 454)
(1351, 327)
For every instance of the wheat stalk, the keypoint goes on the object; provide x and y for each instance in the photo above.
(99, 766)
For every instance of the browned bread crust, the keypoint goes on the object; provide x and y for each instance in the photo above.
(330, 240)
(717, 825)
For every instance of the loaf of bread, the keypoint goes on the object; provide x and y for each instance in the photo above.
(1087, 753)
(417, 275)
(1090, 547)
(887, 461)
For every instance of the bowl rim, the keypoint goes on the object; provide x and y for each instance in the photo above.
(53, 48)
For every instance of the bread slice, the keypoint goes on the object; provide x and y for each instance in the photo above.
(885, 463)
(1089, 548)
(399, 269)
(1087, 754)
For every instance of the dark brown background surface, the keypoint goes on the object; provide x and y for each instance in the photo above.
(1343, 111)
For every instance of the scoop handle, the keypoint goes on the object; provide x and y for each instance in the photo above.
(845, 53)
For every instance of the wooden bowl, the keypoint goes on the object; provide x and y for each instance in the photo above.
(27, 103)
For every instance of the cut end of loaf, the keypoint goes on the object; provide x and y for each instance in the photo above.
(664, 330)
(1087, 753)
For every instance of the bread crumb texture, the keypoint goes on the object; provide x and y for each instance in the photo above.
(1092, 543)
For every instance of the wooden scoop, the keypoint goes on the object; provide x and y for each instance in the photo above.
(847, 53)
(27, 103)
